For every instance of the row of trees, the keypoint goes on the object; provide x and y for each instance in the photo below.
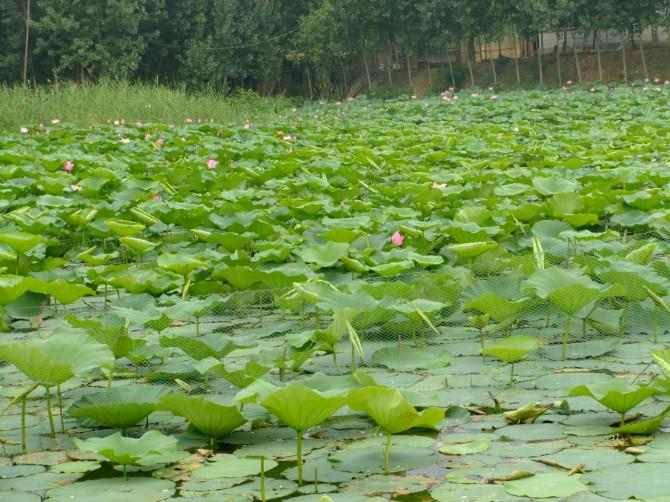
(325, 45)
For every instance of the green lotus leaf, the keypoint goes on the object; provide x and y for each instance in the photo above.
(643, 254)
(108, 489)
(66, 292)
(393, 268)
(180, 263)
(230, 466)
(644, 427)
(97, 259)
(616, 394)
(115, 337)
(554, 185)
(497, 307)
(82, 217)
(212, 419)
(324, 255)
(118, 407)
(13, 286)
(153, 448)
(124, 228)
(139, 245)
(301, 408)
(513, 348)
(472, 249)
(58, 358)
(353, 265)
(411, 358)
(662, 360)
(545, 485)
(21, 242)
(391, 411)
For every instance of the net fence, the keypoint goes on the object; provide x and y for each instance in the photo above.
(332, 327)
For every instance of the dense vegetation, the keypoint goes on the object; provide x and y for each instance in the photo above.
(91, 104)
(460, 298)
(320, 45)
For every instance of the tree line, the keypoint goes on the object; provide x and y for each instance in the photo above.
(321, 47)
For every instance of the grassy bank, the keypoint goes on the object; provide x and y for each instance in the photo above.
(90, 104)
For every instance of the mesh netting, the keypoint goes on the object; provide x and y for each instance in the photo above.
(317, 326)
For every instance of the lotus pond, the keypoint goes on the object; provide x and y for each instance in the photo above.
(452, 299)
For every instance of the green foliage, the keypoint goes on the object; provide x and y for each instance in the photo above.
(153, 448)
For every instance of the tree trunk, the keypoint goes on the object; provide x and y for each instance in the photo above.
(389, 62)
(516, 59)
(430, 73)
(600, 62)
(367, 72)
(451, 70)
(345, 83)
(25, 44)
(309, 83)
(493, 70)
(624, 37)
(579, 68)
(644, 60)
(539, 57)
(409, 71)
(558, 57)
(499, 48)
(469, 62)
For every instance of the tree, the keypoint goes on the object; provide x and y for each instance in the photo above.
(83, 39)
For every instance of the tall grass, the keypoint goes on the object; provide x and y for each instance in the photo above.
(90, 104)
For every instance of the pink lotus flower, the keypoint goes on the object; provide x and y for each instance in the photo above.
(280, 133)
(211, 163)
(569, 82)
(160, 142)
(68, 165)
(155, 196)
(75, 188)
(397, 239)
(147, 137)
(23, 130)
(439, 186)
(39, 320)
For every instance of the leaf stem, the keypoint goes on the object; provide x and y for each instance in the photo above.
(387, 453)
(566, 334)
(50, 413)
(24, 439)
(263, 478)
(59, 395)
(511, 374)
(299, 457)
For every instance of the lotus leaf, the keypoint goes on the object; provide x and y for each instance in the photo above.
(616, 394)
